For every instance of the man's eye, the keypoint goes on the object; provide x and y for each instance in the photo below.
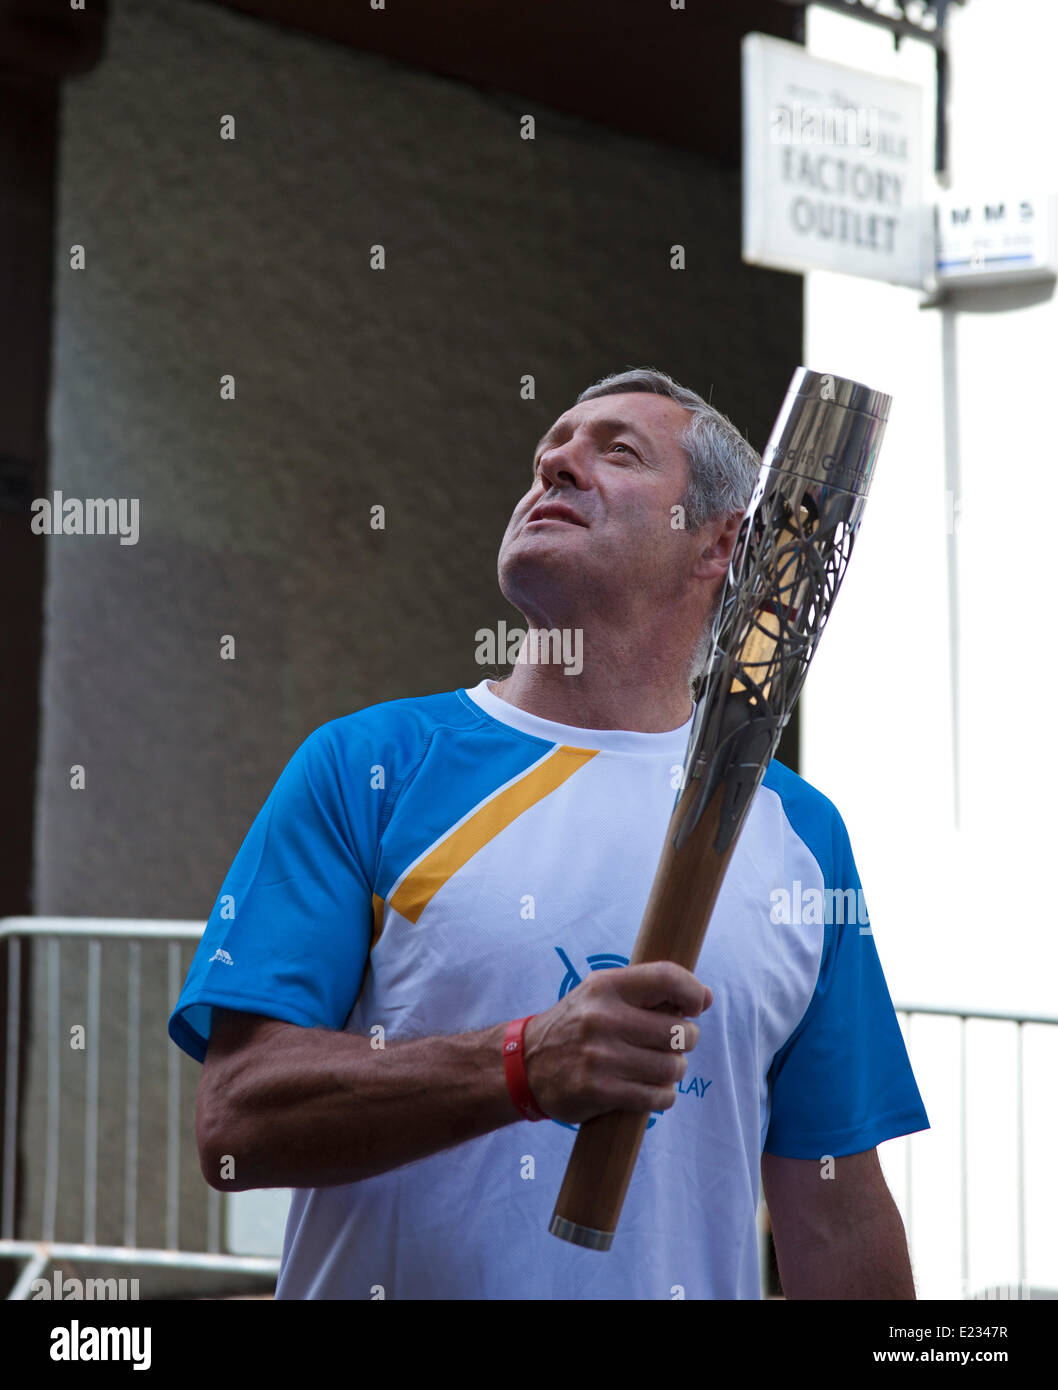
(619, 445)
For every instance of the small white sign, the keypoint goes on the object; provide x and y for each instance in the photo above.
(1003, 238)
(832, 167)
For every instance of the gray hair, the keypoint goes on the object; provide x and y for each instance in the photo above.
(723, 466)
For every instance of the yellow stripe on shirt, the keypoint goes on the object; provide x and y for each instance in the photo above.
(461, 844)
(378, 908)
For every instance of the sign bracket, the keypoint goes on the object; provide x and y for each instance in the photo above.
(930, 28)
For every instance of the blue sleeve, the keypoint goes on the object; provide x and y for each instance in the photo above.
(842, 1082)
(289, 934)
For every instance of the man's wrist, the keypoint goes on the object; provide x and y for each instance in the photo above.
(517, 1080)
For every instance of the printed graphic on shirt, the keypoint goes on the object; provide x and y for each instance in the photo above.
(608, 960)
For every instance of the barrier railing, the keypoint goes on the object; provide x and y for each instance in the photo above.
(964, 1016)
(42, 1243)
(44, 1226)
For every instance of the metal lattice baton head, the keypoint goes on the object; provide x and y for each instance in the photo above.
(787, 566)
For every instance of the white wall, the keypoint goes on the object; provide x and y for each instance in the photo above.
(933, 736)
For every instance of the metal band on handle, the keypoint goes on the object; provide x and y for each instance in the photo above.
(580, 1235)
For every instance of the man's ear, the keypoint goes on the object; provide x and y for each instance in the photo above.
(718, 541)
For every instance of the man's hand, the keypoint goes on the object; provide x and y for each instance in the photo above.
(608, 1045)
(315, 1107)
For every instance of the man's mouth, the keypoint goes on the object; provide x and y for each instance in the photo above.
(554, 511)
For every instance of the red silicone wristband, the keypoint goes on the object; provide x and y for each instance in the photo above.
(514, 1070)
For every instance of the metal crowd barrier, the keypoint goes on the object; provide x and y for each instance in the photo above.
(43, 1247)
(910, 1011)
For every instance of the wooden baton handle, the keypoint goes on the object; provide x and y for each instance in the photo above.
(681, 901)
(790, 556)
(685, 889)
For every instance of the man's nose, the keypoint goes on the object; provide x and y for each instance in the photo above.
(563, 466)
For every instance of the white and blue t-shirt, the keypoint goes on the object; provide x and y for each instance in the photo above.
(442, 864)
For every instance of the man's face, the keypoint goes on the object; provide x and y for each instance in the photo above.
(596, 523)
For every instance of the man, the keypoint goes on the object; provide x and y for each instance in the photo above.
(428, 872)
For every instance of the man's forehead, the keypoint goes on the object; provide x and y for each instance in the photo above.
(626, 411)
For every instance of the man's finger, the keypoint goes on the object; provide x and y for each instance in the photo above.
(662, 982)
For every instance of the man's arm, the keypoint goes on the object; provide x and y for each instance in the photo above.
(287, 1106)
(836, 1237)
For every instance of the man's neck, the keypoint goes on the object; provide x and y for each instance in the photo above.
(651, 701)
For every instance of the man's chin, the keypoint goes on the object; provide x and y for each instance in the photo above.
(541, 582)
